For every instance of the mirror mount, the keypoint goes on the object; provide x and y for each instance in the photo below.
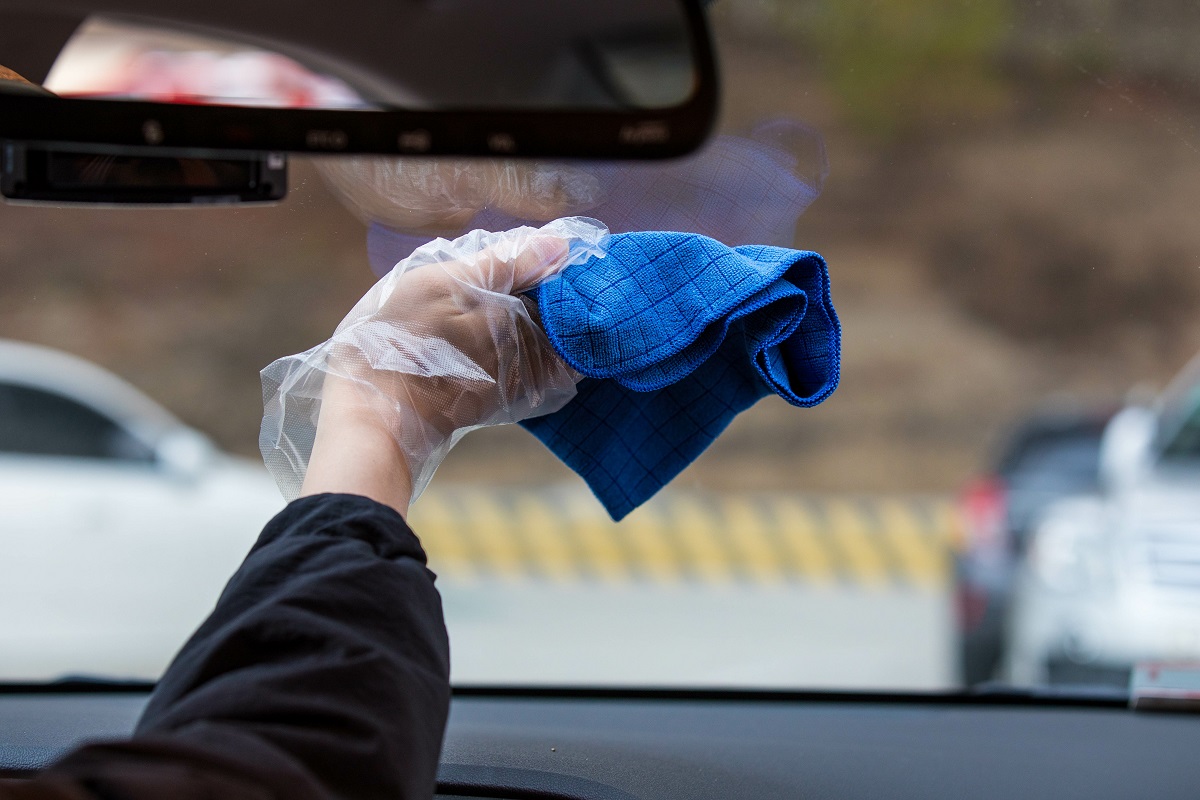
(139, 176)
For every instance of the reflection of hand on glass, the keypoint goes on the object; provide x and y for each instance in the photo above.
(443, 195)
(741, 189)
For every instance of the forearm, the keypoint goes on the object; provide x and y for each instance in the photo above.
(354, 454)
(323, 672)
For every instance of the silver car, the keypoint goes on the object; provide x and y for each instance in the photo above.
(142, 517)
(1114, 578)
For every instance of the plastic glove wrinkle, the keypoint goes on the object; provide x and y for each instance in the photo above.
(439, 347)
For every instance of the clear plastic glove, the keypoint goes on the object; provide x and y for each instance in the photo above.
(437, 195)
(440, 346)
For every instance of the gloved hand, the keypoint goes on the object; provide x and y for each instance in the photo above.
(440, 346)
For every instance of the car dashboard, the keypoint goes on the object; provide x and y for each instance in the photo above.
(564, 744)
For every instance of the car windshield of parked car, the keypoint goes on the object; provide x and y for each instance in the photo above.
(1183, 443)
(1005, 192)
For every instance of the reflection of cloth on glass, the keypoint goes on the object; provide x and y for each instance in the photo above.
(677, 334)
(738, 190)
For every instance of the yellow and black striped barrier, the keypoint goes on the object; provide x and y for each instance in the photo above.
(563, 534)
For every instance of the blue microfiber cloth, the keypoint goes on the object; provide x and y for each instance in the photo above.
(676, 334)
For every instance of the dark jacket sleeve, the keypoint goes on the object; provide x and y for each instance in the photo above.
(323, 672)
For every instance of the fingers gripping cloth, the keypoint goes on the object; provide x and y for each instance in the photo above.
(673, 335)
(441, 345)
(676, 334)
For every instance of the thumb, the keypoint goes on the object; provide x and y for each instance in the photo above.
(541, 257)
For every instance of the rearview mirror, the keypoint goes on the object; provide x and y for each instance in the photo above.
(545, 78)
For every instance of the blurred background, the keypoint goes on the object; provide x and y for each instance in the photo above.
(1008, 220)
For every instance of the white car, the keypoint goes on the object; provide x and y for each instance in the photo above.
(119, 526)
(1114, 579)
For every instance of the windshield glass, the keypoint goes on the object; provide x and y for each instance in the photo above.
(1004, 191)
(1184, 444)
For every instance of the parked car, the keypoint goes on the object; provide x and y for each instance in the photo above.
(1114, 579)
(143, 518)
(1052, 454)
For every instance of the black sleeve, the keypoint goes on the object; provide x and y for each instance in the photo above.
(323, 672)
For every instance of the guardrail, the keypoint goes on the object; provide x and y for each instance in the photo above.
(563, 534)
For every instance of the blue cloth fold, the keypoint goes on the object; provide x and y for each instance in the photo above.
(676, 334)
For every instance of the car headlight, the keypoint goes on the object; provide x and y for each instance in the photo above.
(1068, 552)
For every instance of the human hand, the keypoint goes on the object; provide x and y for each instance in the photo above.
(439, 347)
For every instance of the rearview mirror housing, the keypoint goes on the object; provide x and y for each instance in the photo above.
(624, 79)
